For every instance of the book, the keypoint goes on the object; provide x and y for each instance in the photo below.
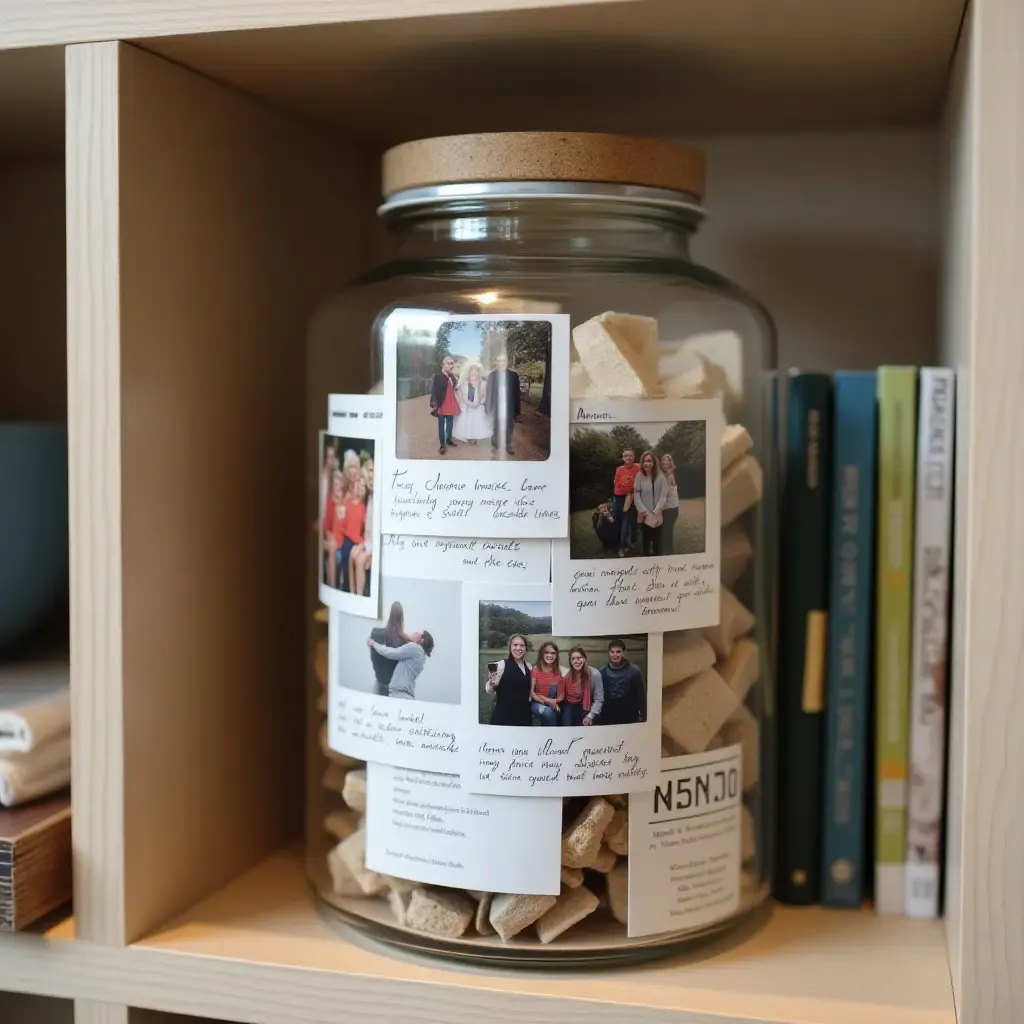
(930, 640)
(897, 430)
(851, 605)
(803, 634)
(35, 860)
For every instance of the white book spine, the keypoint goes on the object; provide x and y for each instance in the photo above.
(930, 640)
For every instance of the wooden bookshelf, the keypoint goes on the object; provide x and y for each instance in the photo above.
(864, 168)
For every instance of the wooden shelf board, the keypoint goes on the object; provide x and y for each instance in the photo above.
(642, 66)
(260, 950)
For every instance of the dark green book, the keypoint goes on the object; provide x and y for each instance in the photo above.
(803, 634)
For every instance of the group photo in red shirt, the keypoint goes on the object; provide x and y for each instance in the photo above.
(530, 678)
(637, 489)
(346, 513)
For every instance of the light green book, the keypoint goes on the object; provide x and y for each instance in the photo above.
(897, 431)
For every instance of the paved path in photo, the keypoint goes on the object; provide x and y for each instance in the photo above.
(419, 431)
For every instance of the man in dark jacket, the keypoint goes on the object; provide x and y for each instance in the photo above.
(502, 403)
(625, 698)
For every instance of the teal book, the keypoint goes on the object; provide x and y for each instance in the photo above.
(803, 634)
(851, 625)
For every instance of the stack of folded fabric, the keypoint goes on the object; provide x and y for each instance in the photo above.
(35, 731)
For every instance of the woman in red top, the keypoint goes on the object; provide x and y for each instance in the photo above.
(334, 526)
(444, 403)
(546, 685)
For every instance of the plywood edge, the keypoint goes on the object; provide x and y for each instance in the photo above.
(94, 455)
(31, 23)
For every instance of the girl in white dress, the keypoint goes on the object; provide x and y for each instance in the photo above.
(472, 423)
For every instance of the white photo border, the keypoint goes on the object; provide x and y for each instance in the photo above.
(362, 417)
(642, 739)
(553, 471)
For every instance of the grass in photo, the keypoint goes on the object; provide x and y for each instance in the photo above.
(529, 677)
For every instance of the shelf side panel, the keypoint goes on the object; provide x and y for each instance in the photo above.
(234, 222)
(94, 487)
(984, 308)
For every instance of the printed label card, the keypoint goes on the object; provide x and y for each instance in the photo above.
(350, 470)
(645, 498)
(551, 715)
(393, 684)
(476, 424)
(467, 558)
(685, 843)
(426, 828)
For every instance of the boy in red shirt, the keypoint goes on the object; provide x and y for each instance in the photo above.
(623, 509)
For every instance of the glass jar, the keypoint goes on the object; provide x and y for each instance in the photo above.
(579, 225)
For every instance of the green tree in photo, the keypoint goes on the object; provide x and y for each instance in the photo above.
(687, 443)
(625, 435)
(593, 458)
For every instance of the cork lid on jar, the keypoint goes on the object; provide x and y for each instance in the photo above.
(569, 157)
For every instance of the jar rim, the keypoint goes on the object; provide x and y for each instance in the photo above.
(613, 192)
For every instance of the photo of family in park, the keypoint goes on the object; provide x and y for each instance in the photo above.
(410, 654)
(637, 489)
(474, 390)
(346, 514)
(529, 677)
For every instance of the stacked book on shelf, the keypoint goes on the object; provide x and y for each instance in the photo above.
(864, 611)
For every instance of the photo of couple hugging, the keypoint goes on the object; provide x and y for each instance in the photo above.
(656, 504)
(346, 504)
(398, 657)
(485, 385)
(574, 681)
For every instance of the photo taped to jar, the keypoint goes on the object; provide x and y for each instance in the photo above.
(394, 684)
(546, 714)
(349, 471)
(643, 551)
(476, 424)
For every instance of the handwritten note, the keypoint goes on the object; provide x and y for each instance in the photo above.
(663, 596)
(567, 761)
(425, 827)
(375, 728)
(654, 566)
(462, 558)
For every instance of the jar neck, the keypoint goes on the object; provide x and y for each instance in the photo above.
(539, 229)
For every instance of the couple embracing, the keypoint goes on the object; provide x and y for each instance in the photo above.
(474, 407)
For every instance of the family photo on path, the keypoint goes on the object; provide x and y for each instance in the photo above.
(475, 390)
(637, 489)
(529, 677)
(412, 653)
(346, 514)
